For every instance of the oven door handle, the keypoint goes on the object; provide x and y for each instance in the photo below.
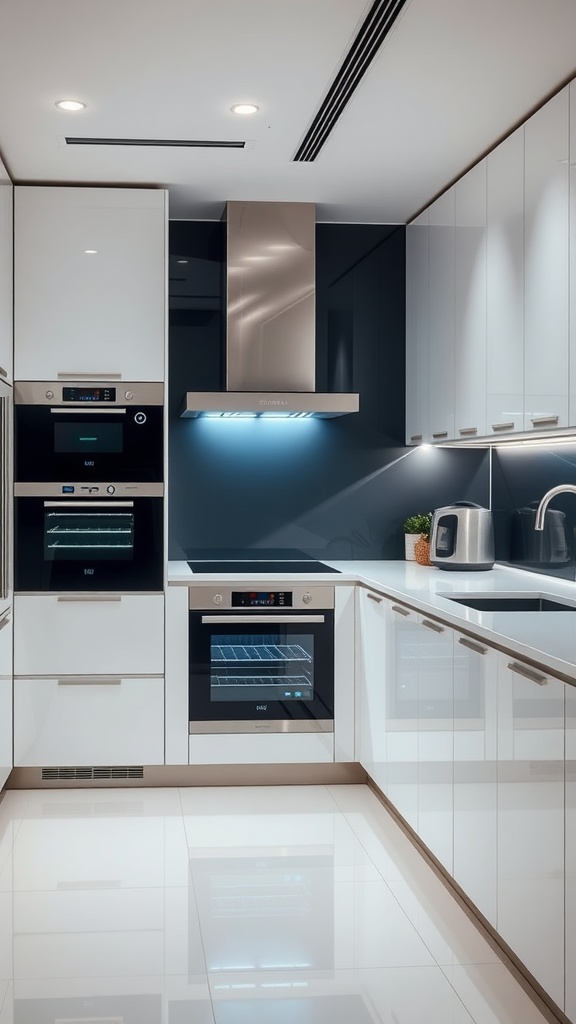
(73, 410)
(89, 504)
(245, 620)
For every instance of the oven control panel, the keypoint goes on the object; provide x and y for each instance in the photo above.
(259, 596)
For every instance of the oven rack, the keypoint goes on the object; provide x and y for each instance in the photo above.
(259, 653)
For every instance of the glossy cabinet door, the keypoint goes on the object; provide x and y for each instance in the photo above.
(570, 826)
(505, 286)
(470, 303)
(417, 330)
(546, 208)
(6, 754)
(436, 739)
(6, 276)
(531, 820)
(572, 257)
(402, 670)
(88, 721)
(441, 316)
(371, 683)
(475, 772)
(89, 283)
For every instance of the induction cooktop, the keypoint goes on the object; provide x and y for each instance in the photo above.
(255, 560)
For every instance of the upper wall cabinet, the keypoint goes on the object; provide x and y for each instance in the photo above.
(90, 283)
(505, 286)
(417, 330)
(441, 316)
(470, 303)
(6, 242)
(546, 208)
(572, 255)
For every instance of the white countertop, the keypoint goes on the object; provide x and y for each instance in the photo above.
(547, 639)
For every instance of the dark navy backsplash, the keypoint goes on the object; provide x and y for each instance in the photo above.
(338, 488)
(520, 477)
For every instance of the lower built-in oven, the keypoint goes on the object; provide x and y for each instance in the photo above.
(88, 537)
(79, 431)
(261, 659)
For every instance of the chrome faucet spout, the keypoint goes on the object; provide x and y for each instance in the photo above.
(541, 511)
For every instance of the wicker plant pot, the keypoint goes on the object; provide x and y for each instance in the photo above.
(422, 551)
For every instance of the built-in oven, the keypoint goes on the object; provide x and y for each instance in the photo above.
(72, 431)
(261, 659)
(88, 537)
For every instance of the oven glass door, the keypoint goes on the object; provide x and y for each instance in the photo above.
(88, 444)
(85, 544)
(247, 667)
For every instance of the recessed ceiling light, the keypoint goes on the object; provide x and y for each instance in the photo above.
(91, 252)
(70, 105)
(181, 261)
(244, 108)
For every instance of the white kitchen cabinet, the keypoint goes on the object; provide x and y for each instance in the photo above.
(373, 612)
(530, 914)
(95, 634)
(401, 681)
(344, 649)
(546, 209)
(88, 721)
(572, 256)
(6, 276)
(274, 748)
(6, 754)
(505, 286)
(436, 739)
(570, 838)
(417, 330)
(177, 670)
(475, 772)
(90, 283)
(470, 303)
(441, 317)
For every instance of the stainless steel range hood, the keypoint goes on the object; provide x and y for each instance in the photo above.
(270, 318)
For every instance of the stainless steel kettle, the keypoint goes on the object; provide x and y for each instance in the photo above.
(462, 537)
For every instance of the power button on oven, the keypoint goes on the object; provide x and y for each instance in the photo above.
(307, 597)
(218, 599)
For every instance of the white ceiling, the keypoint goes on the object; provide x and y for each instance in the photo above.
(452, 78)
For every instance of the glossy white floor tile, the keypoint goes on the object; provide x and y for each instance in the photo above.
(283, 905)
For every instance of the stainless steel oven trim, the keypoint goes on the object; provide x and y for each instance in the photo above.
(88, 503)
(218, 597)
(72, 410)
(33, 392)
(240, 620)
(263, 726)
(87, 490)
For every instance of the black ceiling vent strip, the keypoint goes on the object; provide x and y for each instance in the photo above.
(370, 36)
(72, 140)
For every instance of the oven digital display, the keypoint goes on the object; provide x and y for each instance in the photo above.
(261, 598)
(88, 394)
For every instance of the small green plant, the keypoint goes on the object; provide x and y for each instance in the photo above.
(420, 523)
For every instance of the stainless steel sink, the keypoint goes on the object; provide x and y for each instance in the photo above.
(512, 603)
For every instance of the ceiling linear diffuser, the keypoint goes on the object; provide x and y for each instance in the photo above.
(369, 38)
(72, 140)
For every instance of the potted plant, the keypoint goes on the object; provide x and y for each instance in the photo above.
(417, 528)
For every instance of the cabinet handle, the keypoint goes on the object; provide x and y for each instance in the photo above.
(89, 681)
(432, 625)
(472, 646)
(88, 597)
(65, 375)
(540, 421)
(74, 410)
(440, 433)
(401, 611)
(74, 503)
(468, 430)
(416, 437)
(270, 620)
(528, 673)
(503, 426)
(374, 597)
(3, 372)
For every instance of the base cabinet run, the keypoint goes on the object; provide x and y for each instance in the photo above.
(476, 750)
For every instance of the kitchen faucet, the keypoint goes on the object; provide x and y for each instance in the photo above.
(541, 512)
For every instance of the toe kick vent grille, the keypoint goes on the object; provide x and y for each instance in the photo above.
(100, 773)
(371, 34)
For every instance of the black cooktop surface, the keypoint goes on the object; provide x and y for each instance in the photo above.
(255, 560)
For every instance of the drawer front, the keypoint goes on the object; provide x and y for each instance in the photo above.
(89, 634)
(88, 721)
(235, 748)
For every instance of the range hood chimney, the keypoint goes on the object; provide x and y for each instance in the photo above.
(270, 318)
